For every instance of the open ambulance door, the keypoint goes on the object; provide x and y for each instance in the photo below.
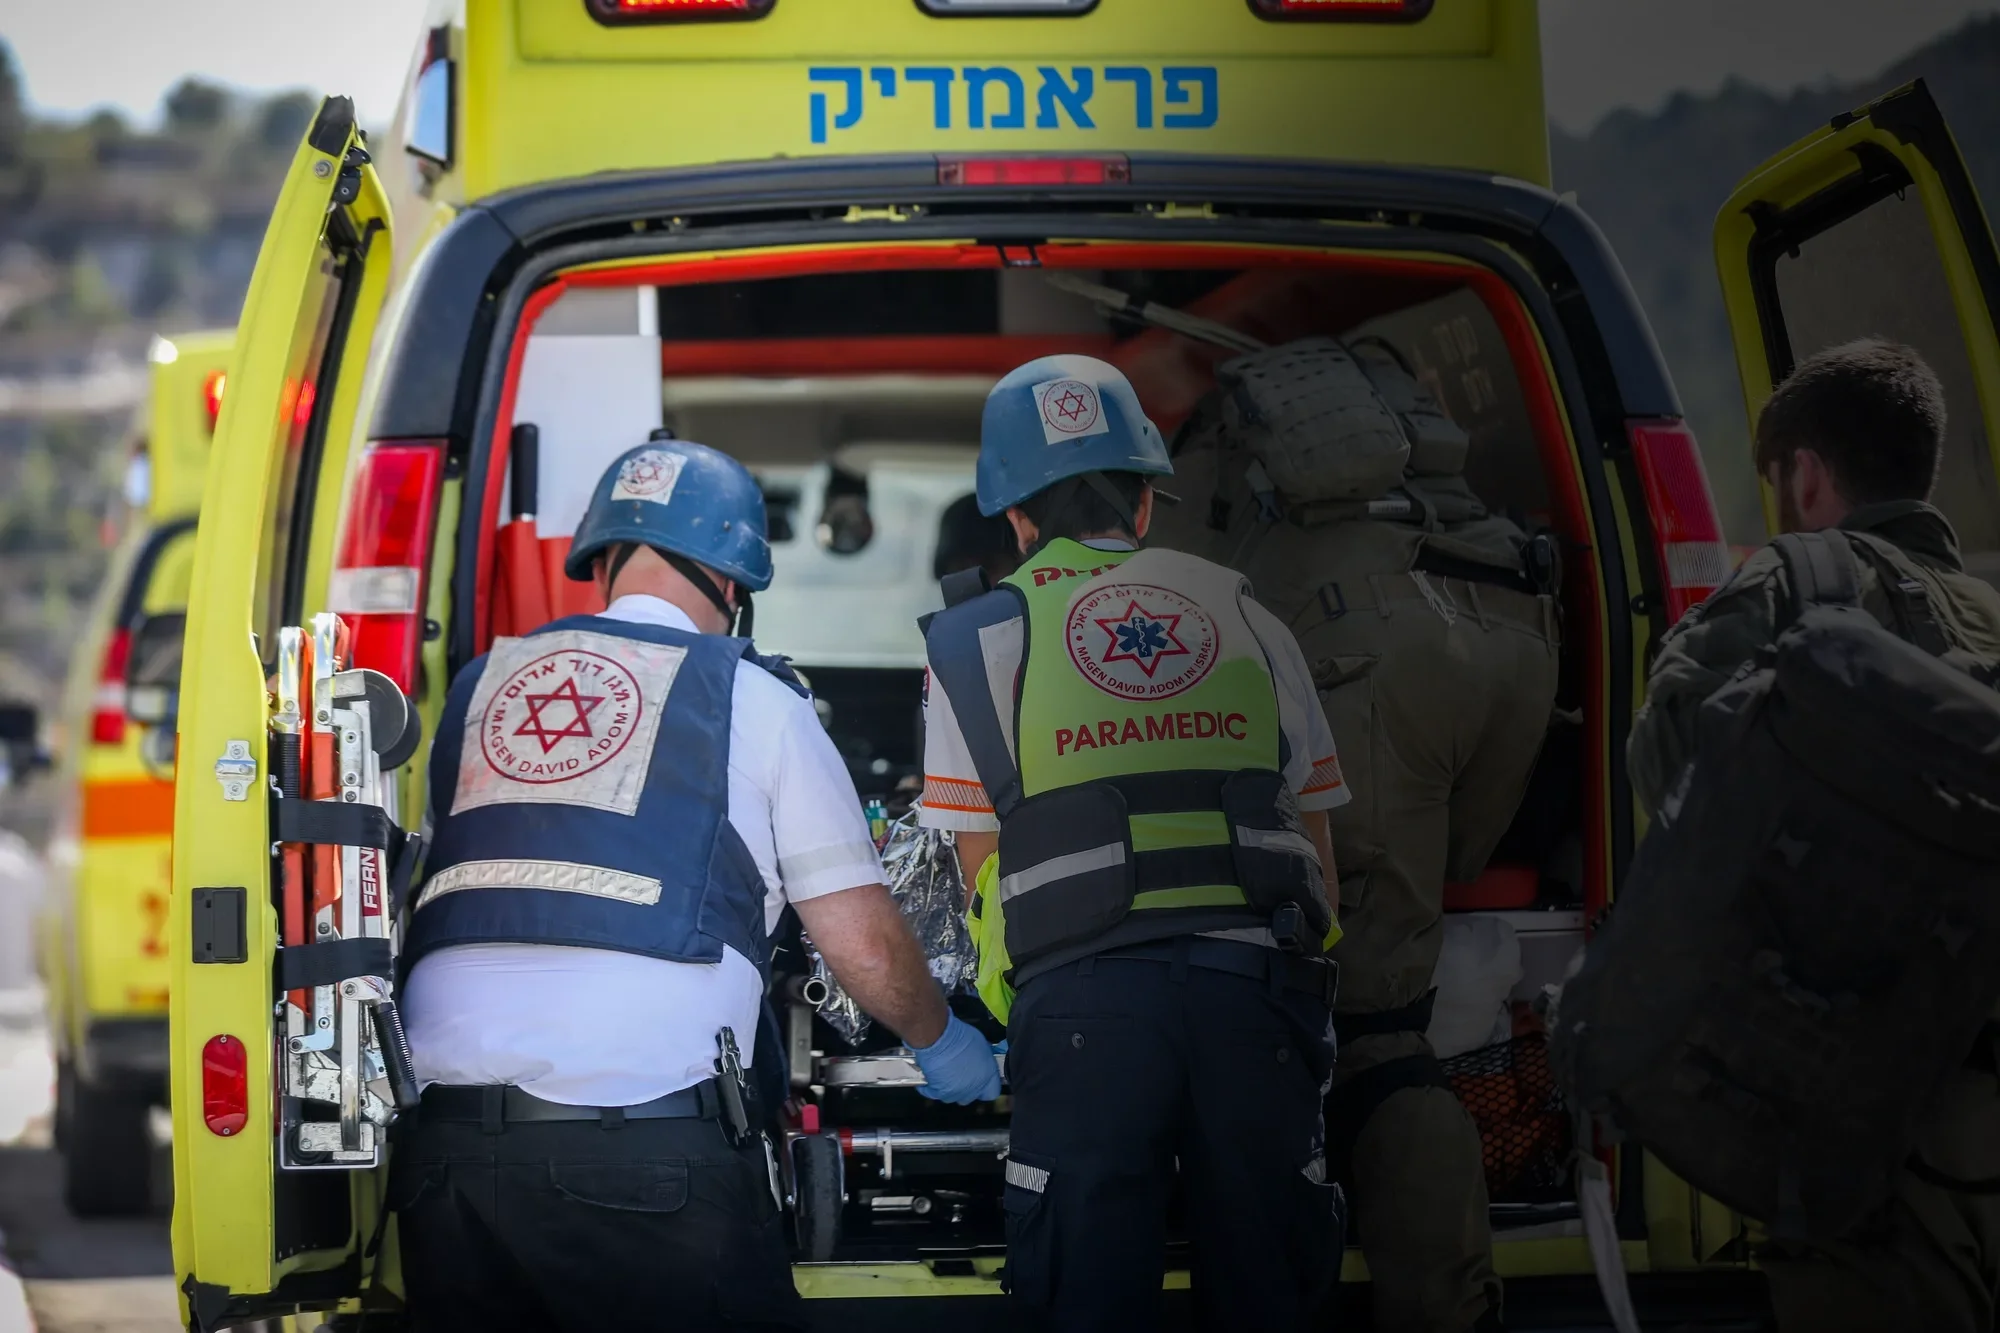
(1871, 228)
(250, 1240)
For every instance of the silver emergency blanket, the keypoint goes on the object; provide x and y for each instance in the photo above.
(921, 866)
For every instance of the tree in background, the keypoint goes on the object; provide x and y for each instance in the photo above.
(197, 106)
(13, 112)
(282, 120)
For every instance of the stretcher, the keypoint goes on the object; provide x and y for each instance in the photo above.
(342, 860)
(867, 1163)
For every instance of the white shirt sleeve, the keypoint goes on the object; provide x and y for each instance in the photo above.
(954, 797)
(1313, 772)
(821, 835)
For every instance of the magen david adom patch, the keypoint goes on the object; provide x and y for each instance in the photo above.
(567, 718)
(650, 476)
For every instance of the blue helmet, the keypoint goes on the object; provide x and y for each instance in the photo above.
(1057, 417)
(681, 497)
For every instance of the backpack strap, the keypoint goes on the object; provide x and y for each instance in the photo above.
(1909, 599)
(1821, 569)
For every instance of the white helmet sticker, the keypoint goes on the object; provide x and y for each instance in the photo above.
(649, 476)
(1069, 410)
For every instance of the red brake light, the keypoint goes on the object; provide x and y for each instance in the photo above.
(1105, 169)
(212, 386)
(1380, 11)
(107, 709)
(378, 585)
(615, 12)
(1694, 560)
(225, 1085)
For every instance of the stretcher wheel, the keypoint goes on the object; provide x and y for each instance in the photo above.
(392, 724)
(819, 1189)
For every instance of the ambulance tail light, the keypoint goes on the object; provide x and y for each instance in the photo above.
(107, 705)
(617, 13)
(1694, 559)
(1097, 169)
(225, 1085)
(378, 584)
(1347, 11)
(212, 386)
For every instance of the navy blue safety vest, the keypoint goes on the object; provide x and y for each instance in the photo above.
(580, 790)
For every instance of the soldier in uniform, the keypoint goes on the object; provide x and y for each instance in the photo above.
(1430, 627)
(1852, 441)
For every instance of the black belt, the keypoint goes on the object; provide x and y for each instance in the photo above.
(1312, 976)
(495, 1105)
(1412, 1017)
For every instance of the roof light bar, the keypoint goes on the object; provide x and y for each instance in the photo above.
(1099, 169)
(623, 13)
(1343, 11)
(958, 9)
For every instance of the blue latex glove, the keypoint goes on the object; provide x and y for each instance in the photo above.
(959, 1066)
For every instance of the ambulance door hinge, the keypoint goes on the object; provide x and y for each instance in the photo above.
(236, 770)
(1172, 210)
(348, 188)
(890, 213)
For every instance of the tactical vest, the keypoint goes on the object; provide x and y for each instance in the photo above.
(580, 780)
(1144, 794)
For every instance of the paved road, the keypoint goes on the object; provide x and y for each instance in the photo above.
(82, 1277)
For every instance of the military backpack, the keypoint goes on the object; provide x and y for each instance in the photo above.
(1808, 943)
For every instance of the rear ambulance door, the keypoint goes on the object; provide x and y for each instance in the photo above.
(250, 1241)
(1871, 227)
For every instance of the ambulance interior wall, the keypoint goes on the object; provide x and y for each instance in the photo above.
(856, 399)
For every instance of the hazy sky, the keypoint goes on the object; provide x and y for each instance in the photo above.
(1601, 53)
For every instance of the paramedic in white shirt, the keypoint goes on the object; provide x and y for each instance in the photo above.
(624, 805)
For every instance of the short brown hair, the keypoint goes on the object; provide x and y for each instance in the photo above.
(1873, 410)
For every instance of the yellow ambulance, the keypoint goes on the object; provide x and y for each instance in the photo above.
(813, 234)
(103, 935)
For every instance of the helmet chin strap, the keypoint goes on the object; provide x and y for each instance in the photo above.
(739, 618)
(1066, 492)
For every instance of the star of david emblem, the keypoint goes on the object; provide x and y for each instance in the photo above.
(1069, 408)
(1140, 637)
(578, 726)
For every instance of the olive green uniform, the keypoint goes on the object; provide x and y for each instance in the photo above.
(1439, 691)
(1930, 1259)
